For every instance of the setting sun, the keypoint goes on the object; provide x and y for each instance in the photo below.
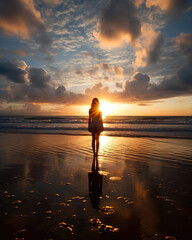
(107, 108)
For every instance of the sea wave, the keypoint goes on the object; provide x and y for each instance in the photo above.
(174, 127)
(108, 120)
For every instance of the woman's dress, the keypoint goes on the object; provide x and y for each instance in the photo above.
(96, 124)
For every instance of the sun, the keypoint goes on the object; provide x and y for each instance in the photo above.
(106, 108)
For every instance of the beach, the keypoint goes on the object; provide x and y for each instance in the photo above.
(44, 187)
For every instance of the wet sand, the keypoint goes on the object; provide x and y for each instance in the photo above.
(45, 193)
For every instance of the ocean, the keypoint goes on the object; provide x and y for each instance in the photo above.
(120, 126)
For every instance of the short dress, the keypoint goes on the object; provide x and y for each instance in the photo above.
(96, 124)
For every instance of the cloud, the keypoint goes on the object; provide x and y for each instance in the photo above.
(20, 18)
(21, 52)
(34, 85)
(184, 43)
(13, 71)
(119, 85)
(93, 70)
(102, 67)
(38, 77)
(154, 48)
(143, 104)
(137, 88)
(147, 48)
(118, 71)
(118, 22)
(98, 90)
(140, 88)
(138, 3)
(60, 91)
(170, 6)
(53, 2)
(79, 72)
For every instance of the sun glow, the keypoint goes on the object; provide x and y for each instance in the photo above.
(106, 108)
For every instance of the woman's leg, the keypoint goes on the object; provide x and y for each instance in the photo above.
(97, 142)
(93, 142)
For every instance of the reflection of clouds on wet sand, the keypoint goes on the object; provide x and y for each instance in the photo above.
(45, 192)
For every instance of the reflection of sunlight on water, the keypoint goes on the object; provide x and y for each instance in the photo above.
(105, 173)
(105, 144)
(104, 141)
(109, 156)
(115, 178)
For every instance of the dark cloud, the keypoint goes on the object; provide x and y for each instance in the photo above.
(12, 71)
(184, 76)
(35, 86)
(48, 94)
(38, 77)
(154, 48)
(177, 6)
(118, 21)
(60, 91)
(141, 89)
(138, 87)
(20, 18)
(172, 7)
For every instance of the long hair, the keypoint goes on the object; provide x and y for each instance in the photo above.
(95, 103)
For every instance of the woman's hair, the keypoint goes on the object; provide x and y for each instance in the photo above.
(95, 103)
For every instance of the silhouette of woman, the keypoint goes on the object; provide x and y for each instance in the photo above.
(95, 124)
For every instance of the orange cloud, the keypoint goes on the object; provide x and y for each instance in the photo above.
(171, 6)
(21, 19)
(138, 3)
(22, 52)
(147, 48)
(163, 4)
(184, 42)
(53, 2)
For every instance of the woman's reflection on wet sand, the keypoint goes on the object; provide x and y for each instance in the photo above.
(95, 183)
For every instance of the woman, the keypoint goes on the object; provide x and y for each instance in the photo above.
(95, 124)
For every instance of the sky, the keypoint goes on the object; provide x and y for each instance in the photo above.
(134, 55)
